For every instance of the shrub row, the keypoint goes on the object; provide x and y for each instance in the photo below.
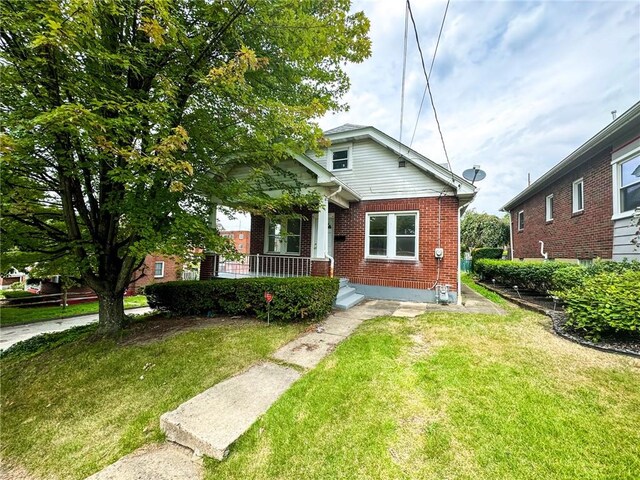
(293, 298)
(485, 252)
(603, 303)
(536, 276)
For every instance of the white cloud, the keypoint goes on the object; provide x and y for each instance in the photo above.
(518, 85)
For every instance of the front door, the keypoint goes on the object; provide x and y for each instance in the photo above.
(314, 234)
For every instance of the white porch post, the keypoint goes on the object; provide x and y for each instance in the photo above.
(322, 244)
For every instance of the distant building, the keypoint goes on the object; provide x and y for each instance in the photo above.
(241, 239)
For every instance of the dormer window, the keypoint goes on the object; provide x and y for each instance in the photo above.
(340, 158)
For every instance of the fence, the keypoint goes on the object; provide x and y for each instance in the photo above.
(51, 299)
(265, 266)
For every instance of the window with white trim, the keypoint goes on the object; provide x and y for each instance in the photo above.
(521, 220)
(392, 235)
(549, 208)
(340, 158)
(158, 269)
(578, 196)
(283, 236)
(630, 184)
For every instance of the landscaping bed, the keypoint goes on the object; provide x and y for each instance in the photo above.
(546, 304)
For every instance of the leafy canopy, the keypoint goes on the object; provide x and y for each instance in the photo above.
(123, 118)
(483, 230)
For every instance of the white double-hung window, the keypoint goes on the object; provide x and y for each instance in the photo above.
(158, 269)
(577, 196)
(630, 184)
(392, 235)
(283, 236)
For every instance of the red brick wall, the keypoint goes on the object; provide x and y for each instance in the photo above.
(583, 235)
(420, 274)
(243, 245)
(172, 271)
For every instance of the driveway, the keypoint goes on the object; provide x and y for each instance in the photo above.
(14, 334)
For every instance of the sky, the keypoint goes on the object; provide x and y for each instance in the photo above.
(517, 85)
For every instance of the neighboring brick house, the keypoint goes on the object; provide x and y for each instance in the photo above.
(241, 239)
(581, 209)
(389, 221)
(157, 269)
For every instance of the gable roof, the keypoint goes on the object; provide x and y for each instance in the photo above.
(626, 124)
(350, 132)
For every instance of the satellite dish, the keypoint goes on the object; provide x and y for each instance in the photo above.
(474, 174)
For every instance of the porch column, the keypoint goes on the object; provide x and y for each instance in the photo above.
(322, 244)
(209, 264)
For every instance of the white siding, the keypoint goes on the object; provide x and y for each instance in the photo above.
(292, 166)
(623, 232)
(375, 174)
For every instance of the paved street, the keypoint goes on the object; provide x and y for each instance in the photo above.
(15, 334)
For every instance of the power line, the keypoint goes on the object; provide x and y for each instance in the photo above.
(404, 74)
(426, 76)
(433, 60)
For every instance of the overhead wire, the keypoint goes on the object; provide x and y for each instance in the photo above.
(426, 75)
(433, 60)
(404, 76)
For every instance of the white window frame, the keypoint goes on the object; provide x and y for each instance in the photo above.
(520, 223)
(548, 208)
(577, 185)
(155, 269)
(391, 239)
(283, 241)
(339, 148)
(617, 179)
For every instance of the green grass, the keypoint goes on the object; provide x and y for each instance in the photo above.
(70, 412)
(451, 396)
(467, 279)
(22, 315)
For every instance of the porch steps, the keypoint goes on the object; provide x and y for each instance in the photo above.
(347, 296)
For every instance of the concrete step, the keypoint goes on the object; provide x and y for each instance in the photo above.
(344, 282)
(210, 422)
(344, 292)
(349, 301)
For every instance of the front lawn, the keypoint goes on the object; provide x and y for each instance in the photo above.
(22, 315)
(71, 411)
(451, 396)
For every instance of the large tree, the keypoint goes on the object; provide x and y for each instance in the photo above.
(483, 230)
(122, 119)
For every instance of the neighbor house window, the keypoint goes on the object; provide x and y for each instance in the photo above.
(578, 196)
(340, 158)
(158, 269)
(392, 235)
(549, 208)
(521, 220)
(241, 236)
(240, 247)
(283, 236)
(630, 185)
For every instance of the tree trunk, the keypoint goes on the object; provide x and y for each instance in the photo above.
(111, 313)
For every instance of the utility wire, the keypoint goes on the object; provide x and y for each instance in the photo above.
(404, 74)
(433, 60)
(426, 76)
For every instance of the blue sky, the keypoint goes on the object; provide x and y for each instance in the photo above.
(518, 85)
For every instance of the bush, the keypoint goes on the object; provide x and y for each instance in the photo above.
(573, 276)
(604, 303)
(536, 276)
(566, 278)
(293, 298)
(485, 252)
(18, 297)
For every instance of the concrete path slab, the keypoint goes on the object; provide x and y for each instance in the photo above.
(476, 303)
(210, 422)
(410, 309)
(154, 462)
(307, 351)
(14, 334)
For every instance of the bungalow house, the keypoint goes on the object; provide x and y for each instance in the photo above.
(388, 224)
(582, 208)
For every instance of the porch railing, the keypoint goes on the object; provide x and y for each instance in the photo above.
(265, 266)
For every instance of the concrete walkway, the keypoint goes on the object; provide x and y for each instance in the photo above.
(13, 334)
(210, 422)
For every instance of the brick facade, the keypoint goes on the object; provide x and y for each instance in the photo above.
(241, 239)
(172, 271)
(349, 245)
(583, 235)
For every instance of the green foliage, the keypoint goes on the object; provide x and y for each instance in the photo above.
(574, 276)
(46, 341)
(122, 122)
(17, 294)
(566, 278)
(485, 252)
(293, 298)
(483, 230)
(605, 303)
(536, 276)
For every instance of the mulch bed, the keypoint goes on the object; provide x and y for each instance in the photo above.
(553, 309)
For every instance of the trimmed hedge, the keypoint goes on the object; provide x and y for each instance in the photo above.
(536, 276)
(604, 303)
(18, 297)
(293, 298)
(485, 252)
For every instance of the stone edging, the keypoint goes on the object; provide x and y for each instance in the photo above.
(557, 322)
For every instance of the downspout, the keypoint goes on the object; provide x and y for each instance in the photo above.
(459, 302)
(511, 235)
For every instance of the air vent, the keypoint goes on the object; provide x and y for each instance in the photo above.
(402, 163)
